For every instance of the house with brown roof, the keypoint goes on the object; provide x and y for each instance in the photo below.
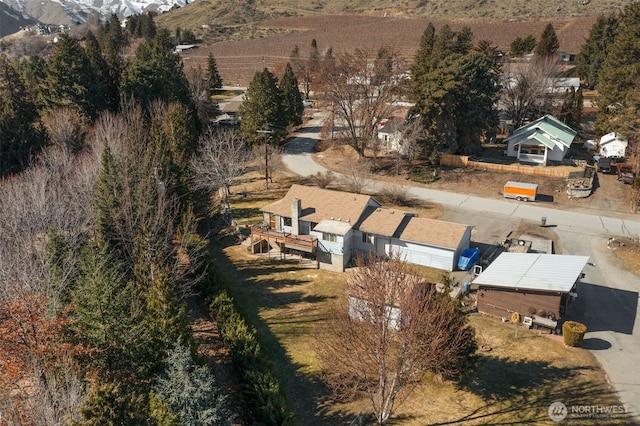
(335, 227)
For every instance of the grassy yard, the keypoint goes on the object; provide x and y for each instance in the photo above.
(515, 381)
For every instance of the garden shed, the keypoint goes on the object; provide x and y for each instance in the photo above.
(536, 286)
(613, 145)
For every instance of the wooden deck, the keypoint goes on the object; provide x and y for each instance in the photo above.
(303, 243)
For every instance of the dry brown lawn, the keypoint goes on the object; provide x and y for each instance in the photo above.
(515, 381)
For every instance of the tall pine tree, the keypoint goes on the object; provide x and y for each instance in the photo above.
(262, 108)
(456, 90)
(594, 50)
(292, 105)
(157, 73)
(620, 73)
(70, 79)
(549, 44)
(19, 138)
(214, 81)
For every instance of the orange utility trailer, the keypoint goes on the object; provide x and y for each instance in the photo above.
(521, 191)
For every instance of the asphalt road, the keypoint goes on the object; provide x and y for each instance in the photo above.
(608, 295)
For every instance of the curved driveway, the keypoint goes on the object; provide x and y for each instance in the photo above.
(608, 295)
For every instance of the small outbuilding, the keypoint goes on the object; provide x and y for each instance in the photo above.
(538, 287)
(613, 145)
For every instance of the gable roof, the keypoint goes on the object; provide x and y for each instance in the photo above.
(394, 124)
(613, 137)
(318, 204)
(547, 130)
(381, 221)
(433, 232)
(533, 271)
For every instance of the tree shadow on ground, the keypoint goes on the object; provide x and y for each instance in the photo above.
(521, 391)
(247, 281)
(603, 308)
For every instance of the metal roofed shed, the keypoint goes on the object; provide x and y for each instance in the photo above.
(537, 286)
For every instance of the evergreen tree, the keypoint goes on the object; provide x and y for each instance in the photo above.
(70, 80)
(106, 190)
(190, 391)
(594, 50)
(112, 403)
(549, 44)
(142, 26)
(296, 62)
(19, 138)
(165, 321)
(620, 73)
(262, 108)
(33, 71)
(571, 110)
(214, 81)
(157, 73)
(292, 105)
(455, 92)
(109, 315)
(422, 62)
(182, 131)
(521, 46)
(105, 88)
(464, 40)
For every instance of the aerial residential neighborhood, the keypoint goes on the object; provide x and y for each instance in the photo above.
(342, 213)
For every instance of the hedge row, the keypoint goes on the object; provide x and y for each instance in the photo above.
(260, 385)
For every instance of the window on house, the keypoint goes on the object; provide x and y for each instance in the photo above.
(327, 236)
(287, 221)
(367, 238)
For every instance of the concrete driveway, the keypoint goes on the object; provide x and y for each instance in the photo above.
(608, 295)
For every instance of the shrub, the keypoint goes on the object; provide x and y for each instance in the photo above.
(395, 194)
(424, 174)
(260, 384)
(322, 180)
(573, 333)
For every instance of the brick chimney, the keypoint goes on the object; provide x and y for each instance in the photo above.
(296, 209)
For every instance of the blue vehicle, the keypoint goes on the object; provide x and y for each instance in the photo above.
(468, 258)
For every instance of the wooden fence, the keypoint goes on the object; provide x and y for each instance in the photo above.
(463, 161)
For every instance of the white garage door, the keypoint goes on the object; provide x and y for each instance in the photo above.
(437, 259)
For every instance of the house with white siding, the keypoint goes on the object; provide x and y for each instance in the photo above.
(543, 140)
(335, 227)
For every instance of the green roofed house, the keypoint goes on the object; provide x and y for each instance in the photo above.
(546, 139)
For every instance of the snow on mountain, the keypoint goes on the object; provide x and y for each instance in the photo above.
(78, 11)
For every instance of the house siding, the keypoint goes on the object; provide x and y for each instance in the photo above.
(502, 302)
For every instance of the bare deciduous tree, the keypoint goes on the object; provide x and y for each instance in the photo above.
(53, 194)
(67, 129)
(529, 88)
(222, 158)
(357, 176)
(199, 87)
(362, 88)
(395, 328)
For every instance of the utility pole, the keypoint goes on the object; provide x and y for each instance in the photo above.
(266, 155)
